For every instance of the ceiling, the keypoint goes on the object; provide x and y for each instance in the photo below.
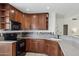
(62, 9)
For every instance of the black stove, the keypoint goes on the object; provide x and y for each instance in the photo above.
(10, 36)
(20, 43)
(21, 47)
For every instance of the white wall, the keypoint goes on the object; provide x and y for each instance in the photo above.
(52, 21)
(59, 25)
(72, 24)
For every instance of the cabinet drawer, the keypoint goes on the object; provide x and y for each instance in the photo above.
(52, 42)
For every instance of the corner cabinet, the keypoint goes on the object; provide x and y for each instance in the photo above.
(26, 21)
(7, 49)
(51, 48)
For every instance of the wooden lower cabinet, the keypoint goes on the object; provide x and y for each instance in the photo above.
(51, 48)
(41, 45)
(60, 52)
(48, 47)
(7, 49)
(35, 45)
(27, 45)
(30, 45)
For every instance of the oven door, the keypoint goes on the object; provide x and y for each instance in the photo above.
(20, 48)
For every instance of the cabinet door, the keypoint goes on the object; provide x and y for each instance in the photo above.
(30, 45)
(27, 22)
(33, 46)
(42, 22)
(40, 46)
(17, 16)
(11, 12)
(21, 20)
(51, 48)
(27, 45)
(52, 51)
(35, 22)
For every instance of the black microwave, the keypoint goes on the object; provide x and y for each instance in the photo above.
(15, 25)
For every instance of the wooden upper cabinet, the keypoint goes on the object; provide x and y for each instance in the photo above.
(27, 22)
(11, 12)
(42, 22)
(17, 15)
(38, 21)
(34, 22)
(21, 19)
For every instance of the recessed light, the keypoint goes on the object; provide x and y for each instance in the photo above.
(12, 11)
(27, 9)
(48, 7)
(34, 16)
(74, 18)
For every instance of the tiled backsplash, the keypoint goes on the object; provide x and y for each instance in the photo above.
(70, 38)
(41, 35)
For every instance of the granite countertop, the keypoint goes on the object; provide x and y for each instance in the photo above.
(38, 38)
(69, 47)
(20, 31)
(7, 41)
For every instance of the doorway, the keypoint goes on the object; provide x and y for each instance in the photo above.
(65, 29)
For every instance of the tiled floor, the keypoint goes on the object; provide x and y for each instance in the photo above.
(35, 54)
